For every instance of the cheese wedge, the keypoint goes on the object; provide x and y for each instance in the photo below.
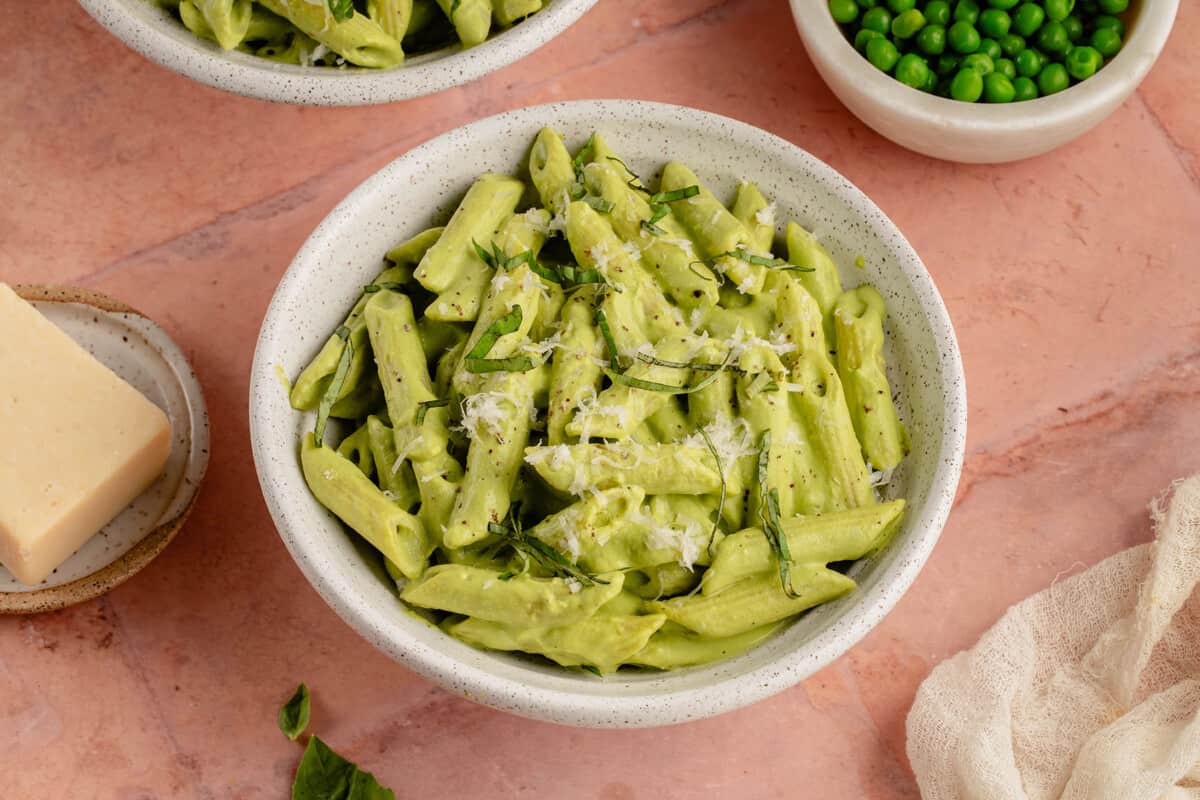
(77, 443)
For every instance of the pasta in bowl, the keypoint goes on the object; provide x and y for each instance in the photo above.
(607, 420)
(335, 52)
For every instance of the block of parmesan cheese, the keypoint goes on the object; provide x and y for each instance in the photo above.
(77, 443)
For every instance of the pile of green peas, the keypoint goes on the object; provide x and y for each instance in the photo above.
(997, 51)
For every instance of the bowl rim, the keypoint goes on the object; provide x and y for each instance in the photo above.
(139, 24)
(829, 48)
(668, 706)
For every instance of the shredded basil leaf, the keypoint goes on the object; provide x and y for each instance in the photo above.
(678, 194)
(589, 668)
(598, 203)
(614, 357)
(651, 228)
(712, 537)
(343, 10)
(768, 515)
(334, 389)
(423, 409)
(392, 286)
(535, 549)
(511, 364)
(509, 323)
(325, 775)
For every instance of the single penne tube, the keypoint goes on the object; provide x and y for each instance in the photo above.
(575, 371)
(391, 15)
(596, 246)
(658, 469)
(669, 255)
(424, 12)
(754, 602)
(229, 20)
(823, 281)
(291, 51)
(611, 530)
(670, 423)
(356, 448)
(522, 600)
(757, 216)
(819, 403)
(359, 40)
(472, 19)
(437, 336)
(519, 234)
(673, 646)
(858, 321)
(666, 580)
(268, 27)
(397, 482)
(755, 318)
(497, 419)
(310, 386)
(821, 539)
(411, 251)
(508, 12)
(717, 230)
(443, 379)
(419, 418)
(489, 201)
(604, 642)
(506, 316)
(621, 408)
(767, 410)
(551, 170)
(342, 488)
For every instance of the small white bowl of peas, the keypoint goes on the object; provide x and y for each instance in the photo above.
(983, 81)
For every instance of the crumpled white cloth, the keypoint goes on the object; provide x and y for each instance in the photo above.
(1089, 690)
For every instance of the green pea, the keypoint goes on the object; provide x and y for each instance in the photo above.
(997, 88)
(1106, 41)
(863, 36)
(931, 40)
(1003, 5)
(1114, 6)
(967, 85)
(1028, 18)
(1057, 10)
(994, 22)
(966, 11)
(1028, 63)
(900, 6)
(1074, 27)
(937, 12)
(1006, 67)
(1053, 79)
(1024, 89)
(991, 47)
(843, 11)
(1109, 21)
(931, 80)
(947, 65)
(962, 37)
(1053, 39)
(1012, 44)
(979, 62)
(882, 53)
(912, 70)
(878, 19)
(1082, 62)
(906, 25)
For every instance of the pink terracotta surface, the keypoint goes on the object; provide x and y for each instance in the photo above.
(1072, 278)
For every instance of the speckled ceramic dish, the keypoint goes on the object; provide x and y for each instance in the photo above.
(139, 351)
(345, 252)
(980, 133)
(157, 35)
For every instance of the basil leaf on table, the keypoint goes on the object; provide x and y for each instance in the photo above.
(324, 775)
(294, 715)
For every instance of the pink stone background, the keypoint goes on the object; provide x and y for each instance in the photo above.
(1072, 278)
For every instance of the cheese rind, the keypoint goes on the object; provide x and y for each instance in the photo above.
(77, 443)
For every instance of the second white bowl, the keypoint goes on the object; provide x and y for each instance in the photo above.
(978, 133)
(157, 35)
(345, 252)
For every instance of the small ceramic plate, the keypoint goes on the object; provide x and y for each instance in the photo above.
(141, 353)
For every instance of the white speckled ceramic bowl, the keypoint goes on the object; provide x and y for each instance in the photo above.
(978, 133)
(157, 35)
(345, 252)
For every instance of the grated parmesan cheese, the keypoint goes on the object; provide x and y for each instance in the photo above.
(765, 215)
(485, 409)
